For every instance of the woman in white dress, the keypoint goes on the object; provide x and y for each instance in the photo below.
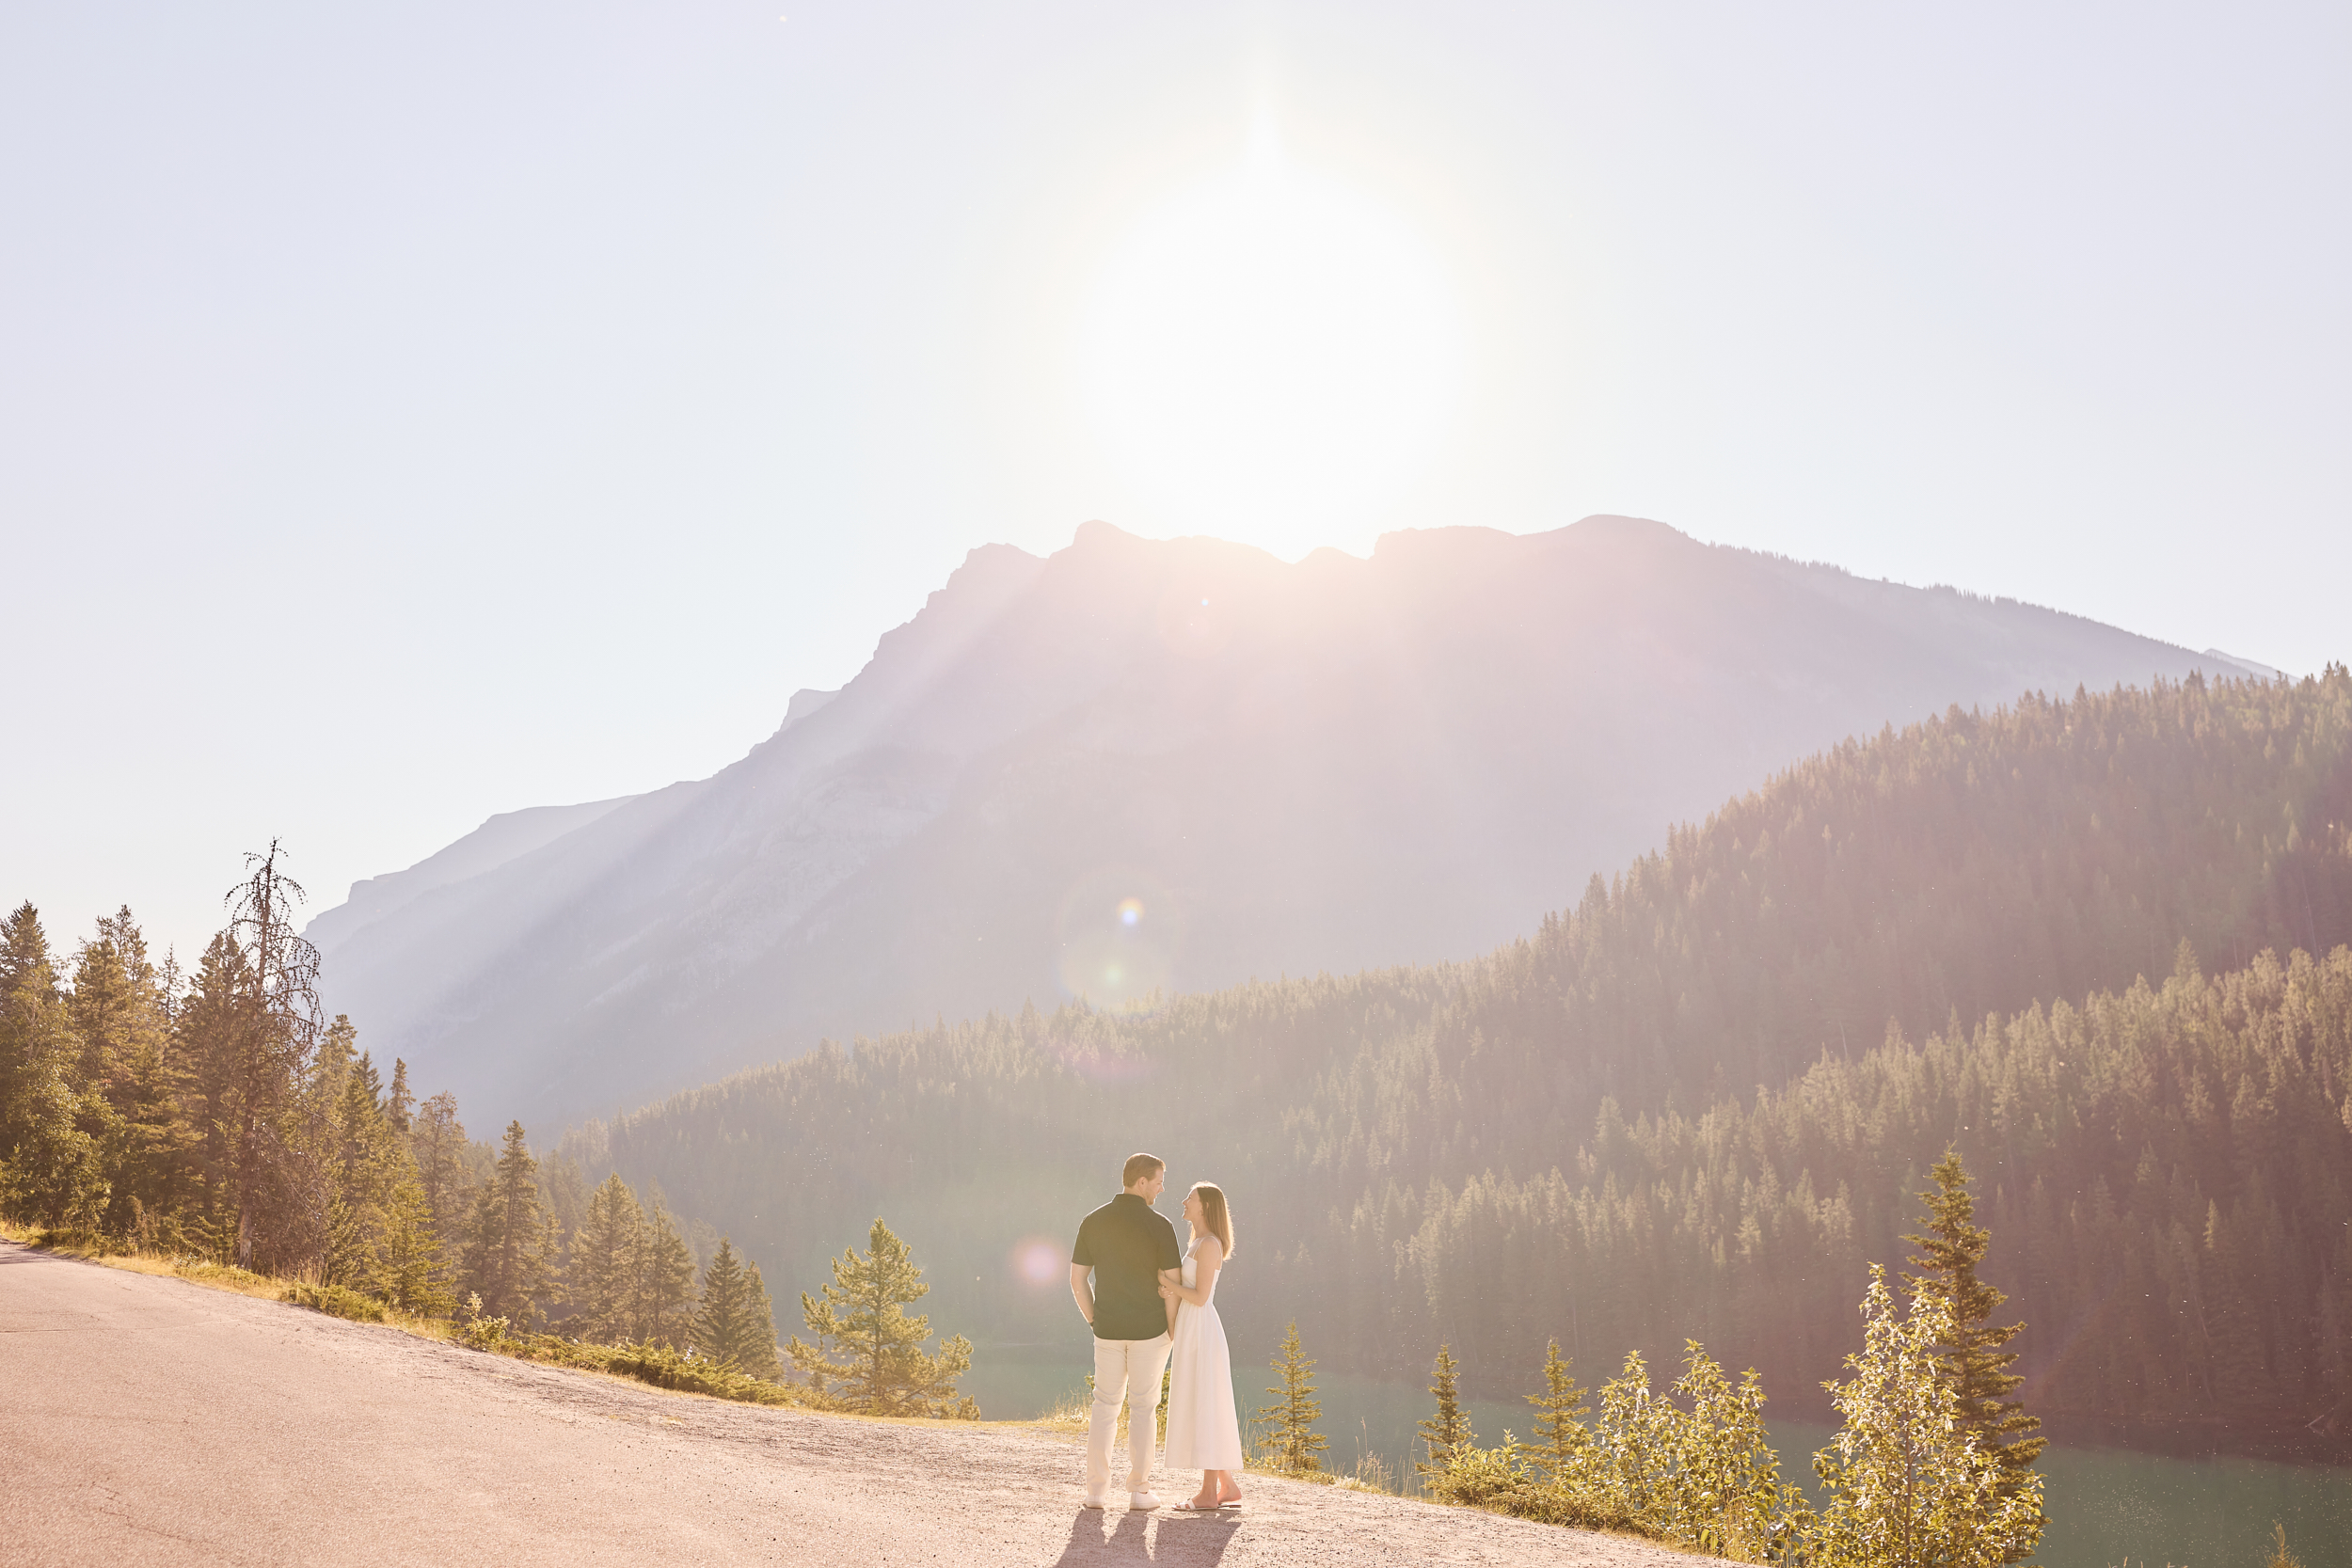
(1204, 1431)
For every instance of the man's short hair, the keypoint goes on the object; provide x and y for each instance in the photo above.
(1141, 1167)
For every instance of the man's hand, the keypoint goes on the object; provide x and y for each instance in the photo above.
(1081, 1292)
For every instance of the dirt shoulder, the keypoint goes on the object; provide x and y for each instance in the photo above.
(148, 1419)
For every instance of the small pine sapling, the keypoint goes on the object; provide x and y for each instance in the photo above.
(1561, 1437)
(1292, 1443)
(869, 1354)
(1447, 1434)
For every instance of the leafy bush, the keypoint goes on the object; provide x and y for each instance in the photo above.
(1503, 1481)
(483, 1334)
(1705, 1478)
(1907, 1482)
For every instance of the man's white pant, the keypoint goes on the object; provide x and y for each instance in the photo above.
(1126, 1372)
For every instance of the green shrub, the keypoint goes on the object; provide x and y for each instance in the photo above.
(1705, 1478)
(691, 1374)
(335, 1301)
(1503, 1481)
(483, 1334)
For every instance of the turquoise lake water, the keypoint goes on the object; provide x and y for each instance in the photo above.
(2107, 1507)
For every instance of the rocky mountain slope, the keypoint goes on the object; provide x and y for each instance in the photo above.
(1161, 765)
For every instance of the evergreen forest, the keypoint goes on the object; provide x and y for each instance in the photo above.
(216, 1121)
(2095, 944)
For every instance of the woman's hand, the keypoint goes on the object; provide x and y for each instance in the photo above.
(1169, 1292)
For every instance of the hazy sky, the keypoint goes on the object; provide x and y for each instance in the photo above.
(414, 412)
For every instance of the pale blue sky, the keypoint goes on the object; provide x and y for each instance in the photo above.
(417, 412)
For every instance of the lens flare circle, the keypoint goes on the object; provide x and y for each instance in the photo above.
(1038, 1261)
(1121, 935)
(1195, 624)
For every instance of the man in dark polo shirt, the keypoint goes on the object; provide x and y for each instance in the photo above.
(1129, 1249)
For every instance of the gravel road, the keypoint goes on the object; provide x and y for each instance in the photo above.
(147, 1420)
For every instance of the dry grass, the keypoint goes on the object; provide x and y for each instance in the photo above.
(1068, 1415)
(1370, 1475)
(196, 1270)
(218, 1276)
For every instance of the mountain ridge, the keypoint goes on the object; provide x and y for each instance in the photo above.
(1139, 765)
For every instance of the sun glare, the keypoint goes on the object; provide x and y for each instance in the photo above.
(1271, 353)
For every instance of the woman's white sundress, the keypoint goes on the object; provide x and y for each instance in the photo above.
(1203, 1432)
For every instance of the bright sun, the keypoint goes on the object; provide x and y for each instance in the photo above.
(1271, 353)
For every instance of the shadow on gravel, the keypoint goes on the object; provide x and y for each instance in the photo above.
(1181, 1541)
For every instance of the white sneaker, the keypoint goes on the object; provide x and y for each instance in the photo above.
(1142, 1500)
(1092, 1501)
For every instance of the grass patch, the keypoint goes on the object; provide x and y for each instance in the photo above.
(203, 1271)
(666, 1368)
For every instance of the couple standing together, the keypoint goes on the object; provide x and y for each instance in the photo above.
(1147, 1301)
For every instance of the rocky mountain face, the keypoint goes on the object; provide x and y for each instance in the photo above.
(1145, 766)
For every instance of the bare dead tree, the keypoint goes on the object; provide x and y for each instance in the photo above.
(280, 1033)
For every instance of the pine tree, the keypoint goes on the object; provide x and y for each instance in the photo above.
(415, 1270)
(131, 1079)
(1561, 1437)
(360, 1167)
(208, 1028)
(361, 1065)
(1447, 1433)
(563, 1191)
(869, 1354)
(604, 1262)
(51, 1165)
(437, 1141)
(1291, 1442)
(734, 1323)
(1973, 1361)
(662, 1280)
(320, 1136)
(400, 1106)
(510, 1254)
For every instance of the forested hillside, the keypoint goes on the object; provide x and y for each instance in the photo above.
(2166, 1173)
(1409, 1149)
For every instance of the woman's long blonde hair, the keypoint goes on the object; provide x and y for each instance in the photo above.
(1215, 1210)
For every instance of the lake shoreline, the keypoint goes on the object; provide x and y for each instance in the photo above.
(2201, 1437)
(2168, 1437)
